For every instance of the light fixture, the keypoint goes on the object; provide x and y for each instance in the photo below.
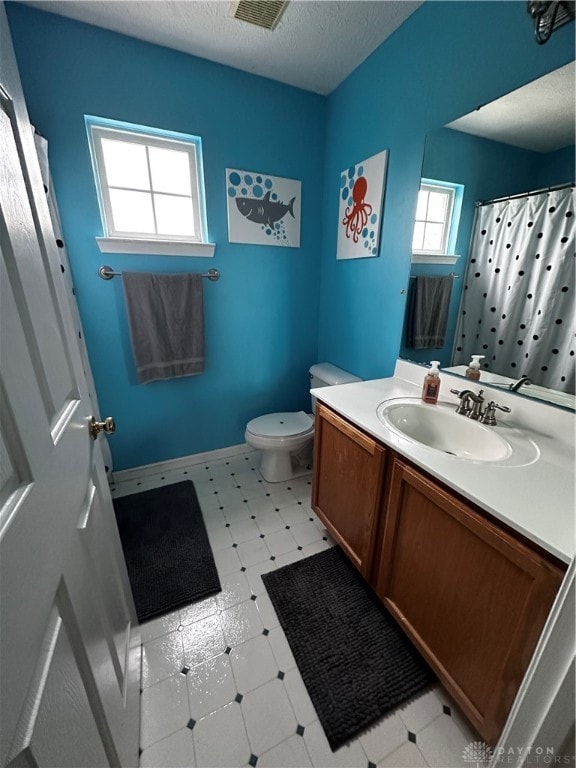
(548, 16)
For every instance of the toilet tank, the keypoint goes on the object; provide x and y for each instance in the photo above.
(327, 375)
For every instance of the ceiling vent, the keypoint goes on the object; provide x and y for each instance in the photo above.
(262, 13)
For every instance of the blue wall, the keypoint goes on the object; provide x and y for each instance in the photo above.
(487, 169)
(262, 316)
(557, 167)
(274, 311)
(444, 61)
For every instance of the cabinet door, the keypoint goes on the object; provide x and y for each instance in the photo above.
(347, 485)
(471, 596)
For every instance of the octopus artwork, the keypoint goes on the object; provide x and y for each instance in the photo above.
(356, 216)
(361, 196)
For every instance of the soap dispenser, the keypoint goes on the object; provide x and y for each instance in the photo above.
(473, 370)
(431, 388)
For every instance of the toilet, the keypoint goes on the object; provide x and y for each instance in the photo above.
(285, 439)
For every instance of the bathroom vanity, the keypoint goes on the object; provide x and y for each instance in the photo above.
(466, 554)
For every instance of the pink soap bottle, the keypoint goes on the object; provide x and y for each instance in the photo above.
(473, 370)
(431, 388)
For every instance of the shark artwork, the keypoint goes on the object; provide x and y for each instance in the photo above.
(264, 211)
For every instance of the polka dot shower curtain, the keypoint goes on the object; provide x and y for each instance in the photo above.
(518, 306)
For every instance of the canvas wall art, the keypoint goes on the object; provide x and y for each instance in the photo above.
(263, 209)
(360, 211)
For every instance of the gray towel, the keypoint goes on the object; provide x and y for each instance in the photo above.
(428, 312)
(166, 318)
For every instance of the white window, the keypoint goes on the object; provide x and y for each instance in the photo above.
(433, 219)
(149, 187)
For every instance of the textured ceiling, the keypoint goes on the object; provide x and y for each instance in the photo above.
(315, 46)
(539, 116)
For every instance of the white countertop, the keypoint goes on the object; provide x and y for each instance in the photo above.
(532, 491)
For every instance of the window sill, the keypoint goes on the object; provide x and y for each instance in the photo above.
(434, 258)
(155, 247)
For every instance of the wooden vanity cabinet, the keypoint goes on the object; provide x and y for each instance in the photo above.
(472, 596)
(347, 485)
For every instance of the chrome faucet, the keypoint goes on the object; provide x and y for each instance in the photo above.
(470, 403)
(476, 411)
(471, 406)
(522, 381)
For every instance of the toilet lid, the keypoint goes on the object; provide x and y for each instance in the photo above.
(281, 424)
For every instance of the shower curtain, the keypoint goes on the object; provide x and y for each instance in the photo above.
(518, 305)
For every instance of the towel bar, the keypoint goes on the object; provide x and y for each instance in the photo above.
(107, 273)
(453, 275)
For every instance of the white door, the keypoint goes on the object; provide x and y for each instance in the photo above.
(42, 151)
(69, 643)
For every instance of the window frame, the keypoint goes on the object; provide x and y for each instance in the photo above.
(123, 241)
(450, 192)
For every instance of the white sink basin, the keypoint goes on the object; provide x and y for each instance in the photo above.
(440, 428)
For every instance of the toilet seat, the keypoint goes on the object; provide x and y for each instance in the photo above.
(281, 437)
(281, 425)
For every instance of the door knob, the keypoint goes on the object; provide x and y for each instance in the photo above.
(95, 427)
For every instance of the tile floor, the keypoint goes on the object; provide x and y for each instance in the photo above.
(220, 686)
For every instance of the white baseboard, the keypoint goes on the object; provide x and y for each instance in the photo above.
(183, 461)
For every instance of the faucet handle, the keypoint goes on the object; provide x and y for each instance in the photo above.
(489, 417)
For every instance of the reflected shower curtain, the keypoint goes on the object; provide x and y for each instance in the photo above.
(518, 305)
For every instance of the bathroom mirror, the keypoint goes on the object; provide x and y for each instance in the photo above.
(521, 142)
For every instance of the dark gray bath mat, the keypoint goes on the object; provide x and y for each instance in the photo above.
(166, 547)
(355, 661)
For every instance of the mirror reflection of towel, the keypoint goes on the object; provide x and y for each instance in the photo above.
(166, 318)
(428, 312)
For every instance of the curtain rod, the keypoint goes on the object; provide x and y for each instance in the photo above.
(107, 273)
(480, 203)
